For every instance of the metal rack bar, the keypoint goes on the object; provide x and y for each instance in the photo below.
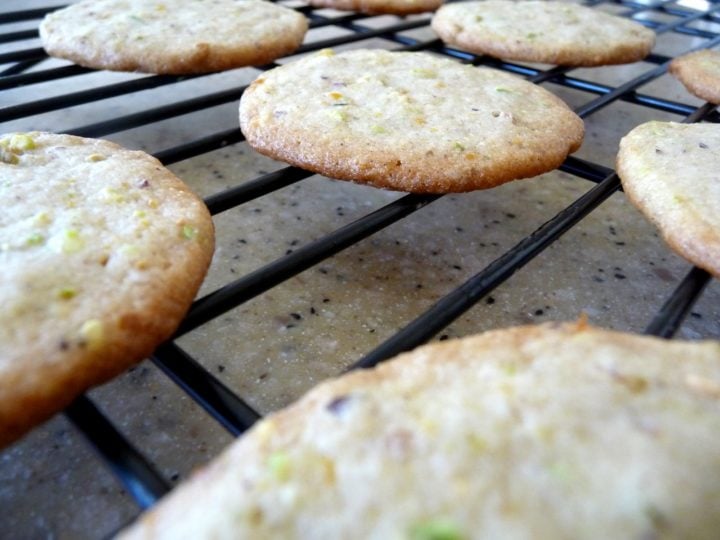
(27, 14)
(230, 410)
(87, 96)
(227, 408)
(262, 279)
(671, 315)
(469, 293)
(133, 470)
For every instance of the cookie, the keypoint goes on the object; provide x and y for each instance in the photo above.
(555, 431)
(407, 121)
(549, 32)
(376, 7)
(172, 36)
(102, 250)
(669, 171)
(700, 73)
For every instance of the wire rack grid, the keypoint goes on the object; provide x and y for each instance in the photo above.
(481, 282)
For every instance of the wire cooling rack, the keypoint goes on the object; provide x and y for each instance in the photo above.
(23, 65)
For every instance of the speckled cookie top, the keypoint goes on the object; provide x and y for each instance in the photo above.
(537, 31)
(172, 36)
(533, 432)
(102, 249)
(669, 171)
(700, 73)
(407, 121)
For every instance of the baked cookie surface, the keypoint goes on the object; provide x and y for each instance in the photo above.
(172, 36)
(559, 33)
(407, 121)
(699, 72)
(533, 432)
(396, 7)
(102, 251)
(669, 171)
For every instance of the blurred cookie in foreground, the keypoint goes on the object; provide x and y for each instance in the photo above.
(172, 36)
(699, 72)
(407, 121)
(554, 431)
(102, 251)
(670, 172)
(549, 32)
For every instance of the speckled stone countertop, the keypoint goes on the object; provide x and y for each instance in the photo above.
(611, 266)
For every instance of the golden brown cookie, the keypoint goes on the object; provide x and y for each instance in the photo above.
(102, 250)
(537, 31)
(555, 431)
(407, 121)
(392, 7)
(670, 172)
(172, 36)
(700, 73)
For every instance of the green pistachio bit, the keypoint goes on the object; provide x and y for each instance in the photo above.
(42, 218)
(129, 250)
(378, 129)
(66, 293)
(6, 156)
(561, 471)
(21, 142)
(532, 35)
(35, 239)
(189, 232)
(340, 116)
(459, 147)
(136, 18)
(503, 90)
(425, 73)
(92, 333)
(478, 18)
(71, 241)
(436, 529)
(279, 465)
(114, 196)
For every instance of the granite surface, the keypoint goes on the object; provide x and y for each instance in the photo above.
(611, 266)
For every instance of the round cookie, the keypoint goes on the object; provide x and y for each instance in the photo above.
(374, 7)
(699, 72)
(669, 171)
(555, 431)
(549, 32)
(172, 36)
(102, 251)
(407, 121)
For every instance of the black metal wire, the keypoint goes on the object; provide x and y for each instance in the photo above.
(262, 279)
(24, 79)
(255, 188)
(469, 293)
(678, 305)
(159, 113)
(27, 14)
(87, 96)
(136, 473)
(18, 36)
(37, 53)
(227, 408)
